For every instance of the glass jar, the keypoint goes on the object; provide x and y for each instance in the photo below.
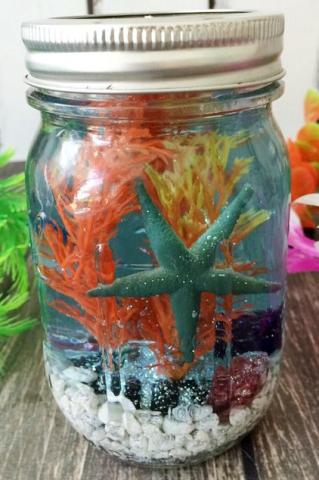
(159, 234)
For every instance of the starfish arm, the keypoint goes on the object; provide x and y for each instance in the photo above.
(205, 247)
(167, 246)
(186, 304)
(143, 284)
(226, 282)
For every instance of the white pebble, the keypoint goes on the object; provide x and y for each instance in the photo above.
(182, 413)
(84, 390)
(115, 432)
(168, 442)
(76, 409)
(160, 455)
(103, 412)
(161, 442)
(156, 419)
(155, 442)
(115, 413)
(150, 430)
(80, 374)
(101, 398)
(209, 423)
(106, 444)
(79, 393)
(113, 446)
(179, 453)
(118, 427)
(143, 416)
(147, 416)
(71, 393)
(58, 384)
(98, 436)
(110, 413)
(172, 427)
(200, 442)
(94, 421)
(239, 416)
(130, 423)
(139, 443)
(180, 440)
(260, 403)
(91, 405)
(201, 412)
(127, 405)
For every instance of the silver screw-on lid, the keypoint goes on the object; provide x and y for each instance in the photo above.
(164, 52)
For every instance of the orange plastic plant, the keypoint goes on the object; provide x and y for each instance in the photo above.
(101, 193)
(304, 158)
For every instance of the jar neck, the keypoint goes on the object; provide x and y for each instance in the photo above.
(153, 108)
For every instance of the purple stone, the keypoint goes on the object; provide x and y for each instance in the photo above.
(258, 331)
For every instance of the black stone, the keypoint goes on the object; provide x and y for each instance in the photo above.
(99, 385)
(132, 391)
(92, 362)
(164, 396)
(195, 394)
(78, 361)
(220, 348)
(115, 383)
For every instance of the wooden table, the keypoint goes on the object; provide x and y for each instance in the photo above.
(36, 443)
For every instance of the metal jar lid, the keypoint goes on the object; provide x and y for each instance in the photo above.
(166, 52)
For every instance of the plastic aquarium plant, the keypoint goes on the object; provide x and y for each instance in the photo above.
(14, 245)
(176, 205)
(304, 160)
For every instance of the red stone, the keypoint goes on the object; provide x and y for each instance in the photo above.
(238, 385)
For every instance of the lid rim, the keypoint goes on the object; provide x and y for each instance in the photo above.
(201, 47)
(89, 88)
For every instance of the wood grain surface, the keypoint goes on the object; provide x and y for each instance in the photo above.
(36, 443)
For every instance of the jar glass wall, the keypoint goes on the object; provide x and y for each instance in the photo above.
(159, 236)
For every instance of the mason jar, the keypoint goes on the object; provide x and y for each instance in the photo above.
(158, 190)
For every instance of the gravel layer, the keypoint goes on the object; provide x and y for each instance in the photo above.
(187, 434)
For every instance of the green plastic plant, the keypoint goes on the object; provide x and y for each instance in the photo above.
(14, 244)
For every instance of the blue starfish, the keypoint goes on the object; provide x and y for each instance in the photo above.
(183, 272)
